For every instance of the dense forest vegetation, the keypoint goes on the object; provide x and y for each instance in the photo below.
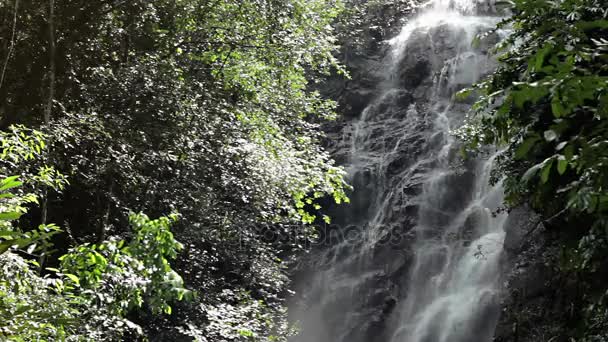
(201, 114)
(162, 165)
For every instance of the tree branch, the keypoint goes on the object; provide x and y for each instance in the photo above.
(49, 104)
(12, 47)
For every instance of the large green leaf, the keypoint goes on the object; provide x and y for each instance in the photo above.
(525, 147)
(9, 183)
(5, 245)
(10, 215)
(562, 165)
(544, 176)
(531, 172)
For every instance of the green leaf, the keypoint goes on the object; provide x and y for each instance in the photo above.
(476, 41)
(10, 215)
(246, 333)
(21, 309)
(562, 165)
(525, 147)
(544, 176)
(540, 56)
(73, 278)
(463, 94)
(531, 172)
(519, 98)
(5, 245)
(569, 152)
(9, 183)
(557, 108)
(591, 25)
(4, 233)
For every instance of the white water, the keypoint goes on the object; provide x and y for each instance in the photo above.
(452, 288)
(453, 284)
(449, 291)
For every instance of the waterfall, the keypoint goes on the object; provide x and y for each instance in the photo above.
(415, 257)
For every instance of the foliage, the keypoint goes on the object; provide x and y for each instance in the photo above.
(547, 104)
(97, 286)
(95, 289)
(124, 277)
(226, 320)
(30, 308)
(202, 106)
(20, 145)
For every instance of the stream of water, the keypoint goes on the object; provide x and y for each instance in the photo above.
(419, 249)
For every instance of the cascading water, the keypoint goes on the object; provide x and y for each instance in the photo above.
(415, 257)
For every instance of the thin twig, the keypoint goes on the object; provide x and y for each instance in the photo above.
(10, 51)
(49, 106)
(542, 223)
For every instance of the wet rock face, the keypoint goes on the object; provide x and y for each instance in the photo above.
(538, 301)
(414, 68)
(356, 100)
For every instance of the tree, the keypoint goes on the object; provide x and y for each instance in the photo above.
(547, 104)
(200, 106)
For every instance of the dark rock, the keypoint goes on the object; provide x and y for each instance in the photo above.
(520, 224)
(476, 218)
(355, 101)
(538, 302)
(412, 74)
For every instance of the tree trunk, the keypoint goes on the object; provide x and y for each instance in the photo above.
(47, 113)
(51, 23)
(101, 236)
